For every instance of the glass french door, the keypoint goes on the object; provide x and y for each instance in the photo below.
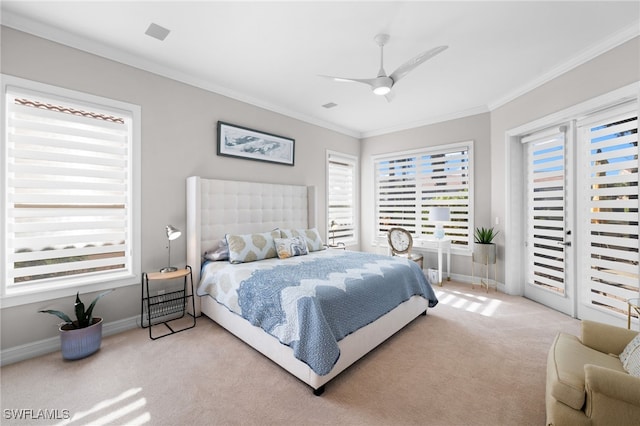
(608, 254)
(549, 254)
(582, 231)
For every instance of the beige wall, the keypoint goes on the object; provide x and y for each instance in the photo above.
(605, 73)
(178, 140)
(475, 128)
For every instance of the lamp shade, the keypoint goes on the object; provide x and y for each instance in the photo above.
(439, 214)
(172, 232)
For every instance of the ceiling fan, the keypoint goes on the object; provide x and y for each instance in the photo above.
(383, 83)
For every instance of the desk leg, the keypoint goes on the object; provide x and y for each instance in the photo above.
(449, 263)
(439, 265)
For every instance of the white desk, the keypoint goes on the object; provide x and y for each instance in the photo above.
(443, 246)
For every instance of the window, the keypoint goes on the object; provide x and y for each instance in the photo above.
(70, 209)
(341, 198)
(608, 206)
(409, 184)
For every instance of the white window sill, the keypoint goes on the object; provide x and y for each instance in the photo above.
(34, 296)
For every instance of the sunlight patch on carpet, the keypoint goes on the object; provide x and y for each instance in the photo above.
(482, 305)
(113, 410)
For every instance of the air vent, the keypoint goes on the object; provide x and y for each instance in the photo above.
(157, 32)
(329, 105)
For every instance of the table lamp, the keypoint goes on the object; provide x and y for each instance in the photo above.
(439, 215)
(172, 234)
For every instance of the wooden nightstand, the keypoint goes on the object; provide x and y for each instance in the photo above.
(167, 305)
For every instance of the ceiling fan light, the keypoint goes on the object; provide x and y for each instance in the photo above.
(381, 90)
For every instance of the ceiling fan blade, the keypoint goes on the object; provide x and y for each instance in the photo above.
(390, 96)
(405, 68)
(368, 81)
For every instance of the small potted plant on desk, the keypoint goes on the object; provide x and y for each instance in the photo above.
(484, 250)
(82, 337)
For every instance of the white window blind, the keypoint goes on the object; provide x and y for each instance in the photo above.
(409, 185)
(610, 260)
(341, 198)
(68, 192)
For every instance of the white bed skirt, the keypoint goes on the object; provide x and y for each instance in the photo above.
(352, 347)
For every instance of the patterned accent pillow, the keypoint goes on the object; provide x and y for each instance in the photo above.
(289, 247)
(630, 357)
(312, 236)
(219, 251)
(314, 241)
(287, 233)
(252, 247)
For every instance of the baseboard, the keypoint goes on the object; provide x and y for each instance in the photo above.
(469, 279)
(52, 344)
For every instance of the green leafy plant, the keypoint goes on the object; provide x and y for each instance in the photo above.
(485, 235)
(84, 317)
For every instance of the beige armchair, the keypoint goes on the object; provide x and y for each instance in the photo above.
(586, 383)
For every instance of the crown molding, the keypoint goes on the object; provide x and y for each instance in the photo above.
(431, 120)
(594, 51)
(57, 35)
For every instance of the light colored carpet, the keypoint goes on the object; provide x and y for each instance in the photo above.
(476, 359)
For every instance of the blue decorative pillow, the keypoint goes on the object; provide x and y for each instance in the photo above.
(289, 247)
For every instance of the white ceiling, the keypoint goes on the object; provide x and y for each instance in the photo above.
(271, 53)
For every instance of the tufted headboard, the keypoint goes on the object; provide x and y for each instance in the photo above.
(217, 207)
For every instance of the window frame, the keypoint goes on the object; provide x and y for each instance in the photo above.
(381, 239)
(63, 287)
(355, 194)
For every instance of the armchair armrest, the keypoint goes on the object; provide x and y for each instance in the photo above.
(605, 338)
(611, 395)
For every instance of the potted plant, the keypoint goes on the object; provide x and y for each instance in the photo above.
(484, 250)
(82, 337)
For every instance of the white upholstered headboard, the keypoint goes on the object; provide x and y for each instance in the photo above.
(217, 207)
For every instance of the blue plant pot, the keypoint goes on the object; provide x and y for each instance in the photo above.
(81, 342)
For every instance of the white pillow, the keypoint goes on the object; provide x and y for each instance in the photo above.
(630, 357)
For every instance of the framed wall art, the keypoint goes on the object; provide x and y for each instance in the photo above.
(241, 142)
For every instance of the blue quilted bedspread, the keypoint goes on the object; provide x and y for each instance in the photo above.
(312, 305)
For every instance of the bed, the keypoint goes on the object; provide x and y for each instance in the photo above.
(219, 208)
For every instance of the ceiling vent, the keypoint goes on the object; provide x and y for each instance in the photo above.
(157, 32)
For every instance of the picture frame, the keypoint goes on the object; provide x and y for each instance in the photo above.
(242, 142)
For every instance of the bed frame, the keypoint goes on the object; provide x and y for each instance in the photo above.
(216, 207)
